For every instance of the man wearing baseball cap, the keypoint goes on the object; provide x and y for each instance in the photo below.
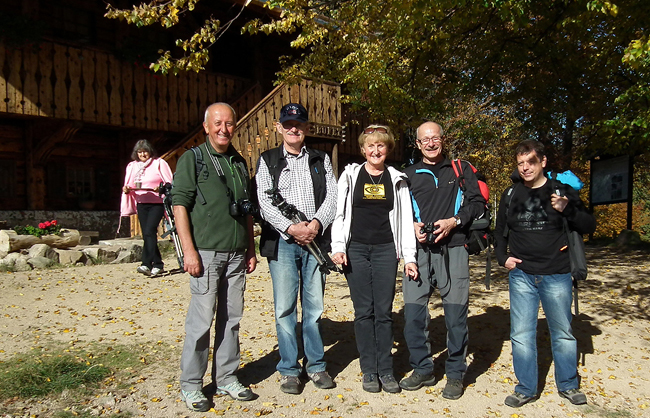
(304, 178)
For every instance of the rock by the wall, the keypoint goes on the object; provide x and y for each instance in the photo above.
(21, 263)
(71, 256)
(43, 250)
(101, 254)
(40, 262)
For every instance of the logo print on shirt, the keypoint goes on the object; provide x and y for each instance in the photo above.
(374, 191)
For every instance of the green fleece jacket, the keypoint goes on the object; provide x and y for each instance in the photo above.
(213, 228)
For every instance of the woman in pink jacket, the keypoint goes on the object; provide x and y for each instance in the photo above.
(141, 184)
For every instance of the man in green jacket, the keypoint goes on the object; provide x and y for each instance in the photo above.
(215, 228)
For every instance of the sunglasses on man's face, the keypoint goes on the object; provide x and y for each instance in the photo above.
(368, 131)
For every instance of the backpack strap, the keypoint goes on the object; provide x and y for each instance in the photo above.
(199, 164)
(509, 195)
(458, 170)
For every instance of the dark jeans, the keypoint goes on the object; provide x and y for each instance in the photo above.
(149, 215)
(372, 270)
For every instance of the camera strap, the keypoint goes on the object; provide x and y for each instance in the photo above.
(222, 175)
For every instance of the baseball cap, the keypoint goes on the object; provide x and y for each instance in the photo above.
(293, 111)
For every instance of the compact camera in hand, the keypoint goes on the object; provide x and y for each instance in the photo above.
(429, 229)
(243, 207)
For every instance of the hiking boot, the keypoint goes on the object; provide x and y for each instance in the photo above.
(389, 384)
(236, 390)
(574, 396)
(195, 400)
(370, 383)
(453, 389)
(416, 380)
(144, 270)
(322, 380)
(517, 399)
(156, 271)
(290, 384)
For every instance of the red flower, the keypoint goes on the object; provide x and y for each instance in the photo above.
(47, 224)
(54, 222)
(42, 225)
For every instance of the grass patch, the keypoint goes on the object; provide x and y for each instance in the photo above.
(50, 370)
(6, 269)
(33, 375)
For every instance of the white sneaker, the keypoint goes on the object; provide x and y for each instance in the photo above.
(195, 400)
(156, 271)
(144, 270)
(236, 390)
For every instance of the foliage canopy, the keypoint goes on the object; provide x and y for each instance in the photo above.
(574, 74)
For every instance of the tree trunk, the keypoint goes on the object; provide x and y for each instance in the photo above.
(10, 241)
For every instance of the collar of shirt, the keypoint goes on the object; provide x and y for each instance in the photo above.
(302, 153)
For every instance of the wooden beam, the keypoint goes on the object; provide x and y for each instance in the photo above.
(42, 152)
(35, 174)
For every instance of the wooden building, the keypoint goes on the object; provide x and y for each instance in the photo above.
(76, 94)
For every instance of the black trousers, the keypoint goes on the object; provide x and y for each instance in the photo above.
(371, 277)
(149, 215)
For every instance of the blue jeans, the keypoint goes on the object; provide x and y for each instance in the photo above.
(294, 271)
(554, 291)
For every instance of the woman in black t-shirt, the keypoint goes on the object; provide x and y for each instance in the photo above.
(372, 230)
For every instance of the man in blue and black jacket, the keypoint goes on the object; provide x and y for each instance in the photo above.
(443, 214)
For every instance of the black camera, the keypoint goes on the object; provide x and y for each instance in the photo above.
(243, 207)
(428, 229)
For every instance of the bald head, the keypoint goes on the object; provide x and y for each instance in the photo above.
(221, 105)
(429, 125)
(219, 125)
(430, 142)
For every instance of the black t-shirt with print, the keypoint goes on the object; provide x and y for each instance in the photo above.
(371, 203)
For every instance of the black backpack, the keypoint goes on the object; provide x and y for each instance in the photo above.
(480, 232)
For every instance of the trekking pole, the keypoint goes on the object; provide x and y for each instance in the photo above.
(292, 213)
(168, 221)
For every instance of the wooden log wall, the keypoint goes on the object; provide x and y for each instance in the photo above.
(256, 132)
(64, 82)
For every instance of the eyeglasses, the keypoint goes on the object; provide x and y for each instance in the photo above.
(369, 131)
(427, 140)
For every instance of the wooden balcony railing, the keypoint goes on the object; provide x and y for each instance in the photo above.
(65, 82)
(256, 131)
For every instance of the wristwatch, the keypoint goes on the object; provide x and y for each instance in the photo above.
(457, 218)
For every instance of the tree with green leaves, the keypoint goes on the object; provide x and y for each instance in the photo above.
(571, 73)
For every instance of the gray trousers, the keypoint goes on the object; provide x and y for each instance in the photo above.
(220, 290)
(454, 292)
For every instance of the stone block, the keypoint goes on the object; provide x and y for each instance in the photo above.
(101, 254)
(21, 263)
(39, 262)
(71, 256)
(41, 250)
(125, 256)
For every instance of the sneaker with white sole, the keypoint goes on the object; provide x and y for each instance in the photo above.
(156, 271)
(236, 390)
(195, 400)
(144, 270)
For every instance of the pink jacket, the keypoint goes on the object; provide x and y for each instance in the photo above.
(156, 172)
